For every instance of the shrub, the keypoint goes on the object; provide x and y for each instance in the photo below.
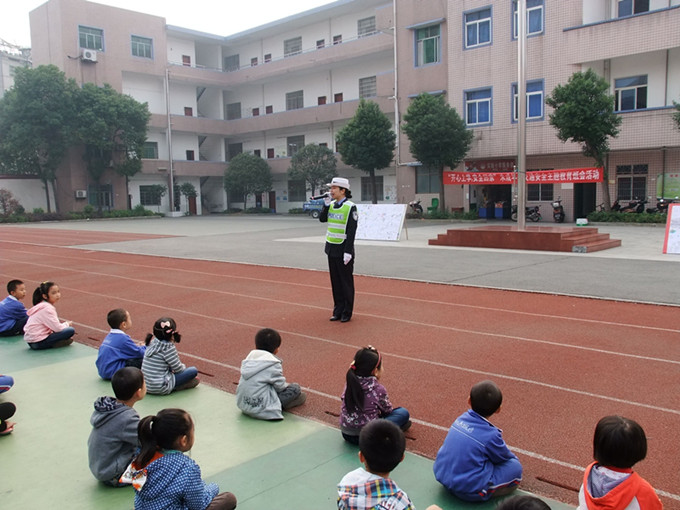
(38, 210)
(257, 210)
(619, 217)
(8, 204)
(297, 210)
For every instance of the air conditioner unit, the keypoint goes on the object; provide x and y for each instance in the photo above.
(81, 193)
(89, 55)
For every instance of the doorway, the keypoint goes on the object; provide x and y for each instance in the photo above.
(584, 199)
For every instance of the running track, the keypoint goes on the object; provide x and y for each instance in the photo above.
(562, 362)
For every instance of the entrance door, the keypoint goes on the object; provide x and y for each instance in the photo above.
(272, 200)
(192, 206)
(584, 199)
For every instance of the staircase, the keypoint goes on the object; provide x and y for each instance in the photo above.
(570, 239)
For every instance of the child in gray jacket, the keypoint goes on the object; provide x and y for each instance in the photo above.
(262, 390)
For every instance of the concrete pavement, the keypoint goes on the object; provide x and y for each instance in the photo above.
(636, 271)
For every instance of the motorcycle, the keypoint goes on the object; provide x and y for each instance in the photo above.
(416, 208)
(558, 211)
(530, 213)
(661, 206)
(634, 206)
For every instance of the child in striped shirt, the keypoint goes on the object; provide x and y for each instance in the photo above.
(163, 371)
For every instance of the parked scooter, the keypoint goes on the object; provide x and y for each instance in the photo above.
(416, 208)
(530, 213)
(635, 206)
(558, 211)
(661, 205)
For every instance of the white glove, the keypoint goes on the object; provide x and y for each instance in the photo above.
(327, 200)
(346, 258)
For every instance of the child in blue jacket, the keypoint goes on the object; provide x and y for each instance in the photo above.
(118, 350)
(474, 463)
(13, 314)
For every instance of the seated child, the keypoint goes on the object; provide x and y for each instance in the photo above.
(610, 482)
(7, 410)
(118, 350)
(365, 399)
(6, 382)
(13, 314)
(113, 441)
(163, 371)
(474, 463)
(163, 477)
(262, 390)
(523, 503)
(43, 329)
(381, 449)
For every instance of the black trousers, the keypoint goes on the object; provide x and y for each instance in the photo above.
(342, 283)
(7, 410)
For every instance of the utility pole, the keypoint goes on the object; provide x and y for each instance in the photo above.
(521, 113)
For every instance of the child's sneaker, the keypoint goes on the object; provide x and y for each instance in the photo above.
(297, 401)
(188, 385)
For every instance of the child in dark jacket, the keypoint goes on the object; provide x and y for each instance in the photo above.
(13, 314)
(118, 350)
(474, 463)
(163, 477)
(113, 440)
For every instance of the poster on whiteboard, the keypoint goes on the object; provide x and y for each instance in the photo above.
(380, 222)
(671, 243)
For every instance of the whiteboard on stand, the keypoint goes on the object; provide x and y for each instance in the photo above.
(671, 243)
(380, 222)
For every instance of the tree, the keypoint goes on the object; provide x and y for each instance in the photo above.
(438, 135)
(584, 113)
(188, 190)
(246, 175)
(112, 126)
(313, 164)
(676, 115)
(36, 124)
(156, 192)
(367, 141)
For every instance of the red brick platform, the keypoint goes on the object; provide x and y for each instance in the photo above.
(573, 239)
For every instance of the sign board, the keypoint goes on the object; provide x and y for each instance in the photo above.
(671, 243)
(580, 175)
(668, 185)
(380, 222)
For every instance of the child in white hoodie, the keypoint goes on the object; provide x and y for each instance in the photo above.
(43, 329)
(262, 390)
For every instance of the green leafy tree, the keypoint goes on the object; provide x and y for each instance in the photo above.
(438, 135)
(584, 113)
(36, 124)
(246, 175)
(112, 126)
(367, 141)
(314, 164)
(676, 115)
(156, 192)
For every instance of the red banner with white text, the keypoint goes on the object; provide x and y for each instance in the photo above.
(577, 175)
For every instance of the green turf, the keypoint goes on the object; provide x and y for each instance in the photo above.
(295, 463)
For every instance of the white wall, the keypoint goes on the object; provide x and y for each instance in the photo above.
(651, 64)
(181, 96)
(674, 75)
(146, 89)
(30, 193)
(179, 47)
(181, 142)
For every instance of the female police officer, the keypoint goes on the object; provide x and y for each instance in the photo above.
(342, 217)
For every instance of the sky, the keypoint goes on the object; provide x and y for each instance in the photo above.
(218, 17)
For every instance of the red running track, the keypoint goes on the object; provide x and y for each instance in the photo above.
(562, 362)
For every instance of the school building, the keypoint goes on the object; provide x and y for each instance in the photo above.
(272, 89)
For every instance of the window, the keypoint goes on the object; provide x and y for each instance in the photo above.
(257, 152)
(142, 47)
(267, 58)
(337, 39)
(148, 196)
(366, 26)
(630, 93)
(91, 38)
(631, 181)
(233, 150)
(188, 111)
(102, 196)
(231, 63)
(534, 17)
(233, 111)
(190, 155)
(366, 194)
(428, 45)
(478, 107)
(256, 112)
(323, 144)
(367, 87)
(268, 109)
(292, 46)
(630, 7)
(321, 100)
(270, 153)
(294, 144)
(337, 98)
(477, 28)
(294, 100)
(297, 191)
(186, 60)
(150, 150)
(534, 100)
(540, 192)
(427, 180)
(320, 44)
(253, 62)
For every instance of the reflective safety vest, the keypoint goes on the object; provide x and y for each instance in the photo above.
(337, 222)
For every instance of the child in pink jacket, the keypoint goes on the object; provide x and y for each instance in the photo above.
(44, 330)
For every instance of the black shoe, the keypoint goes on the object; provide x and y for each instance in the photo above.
(345, 318)
(406, 426)
(334, 318)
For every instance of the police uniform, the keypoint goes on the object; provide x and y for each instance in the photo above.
(342, 219)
